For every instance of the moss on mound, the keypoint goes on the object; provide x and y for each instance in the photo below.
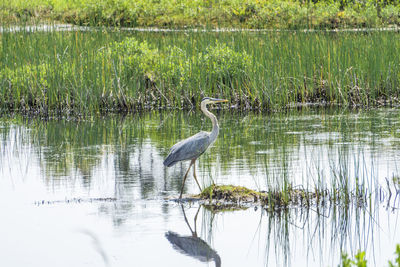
(231, 193)
(226, 195)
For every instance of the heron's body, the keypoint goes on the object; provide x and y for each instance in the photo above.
(188, 149)
(191, 148)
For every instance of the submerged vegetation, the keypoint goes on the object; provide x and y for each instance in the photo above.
(258, 14)
(101, 71)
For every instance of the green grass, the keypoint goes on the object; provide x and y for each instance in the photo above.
(112, 71)
(212, 13)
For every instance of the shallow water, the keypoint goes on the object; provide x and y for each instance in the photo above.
(94, 192)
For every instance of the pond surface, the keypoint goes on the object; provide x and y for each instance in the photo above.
(94, 192)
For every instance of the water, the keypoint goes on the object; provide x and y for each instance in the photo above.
(94, 192)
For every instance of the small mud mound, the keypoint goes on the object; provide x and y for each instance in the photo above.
(229, 197)
(230, 193)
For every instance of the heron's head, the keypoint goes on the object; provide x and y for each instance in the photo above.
(210, 100)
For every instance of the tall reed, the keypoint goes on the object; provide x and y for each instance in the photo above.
(112, 71)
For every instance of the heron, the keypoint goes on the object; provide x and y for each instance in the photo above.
(193, 147)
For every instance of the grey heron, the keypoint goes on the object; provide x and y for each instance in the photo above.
(191, 148)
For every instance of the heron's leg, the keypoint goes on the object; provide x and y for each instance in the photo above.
(186, 220)
(195, 220)
(194, 173)
(184, 179)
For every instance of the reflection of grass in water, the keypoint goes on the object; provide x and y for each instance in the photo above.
(350, 202)
(81, 144)
(346, 200)
(324, 228)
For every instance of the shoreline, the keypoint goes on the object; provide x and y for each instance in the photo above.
(67, 27)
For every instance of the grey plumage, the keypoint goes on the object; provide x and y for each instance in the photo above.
(192, 147)
(188, 149)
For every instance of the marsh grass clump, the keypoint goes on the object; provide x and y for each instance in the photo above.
(121, 76)
(397, 260)
(136, 58)
(102, 72)
(218, 64)
(359, 259)
(285, 198)
(276, 200)
(222, 66)
(162, 73)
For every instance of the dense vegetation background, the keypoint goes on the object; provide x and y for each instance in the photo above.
(102, 71)
(255, 14)
(109, 69)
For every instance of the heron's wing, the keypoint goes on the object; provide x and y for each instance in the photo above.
(189, 148)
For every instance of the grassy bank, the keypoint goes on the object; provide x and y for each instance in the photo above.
(228, 13)
(102, 71)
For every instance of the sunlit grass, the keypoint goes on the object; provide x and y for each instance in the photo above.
(185, 13)
(105, 71)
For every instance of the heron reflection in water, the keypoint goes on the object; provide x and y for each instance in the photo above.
(191, 148)
(193, 245)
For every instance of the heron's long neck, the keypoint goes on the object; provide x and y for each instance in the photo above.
(215, 129)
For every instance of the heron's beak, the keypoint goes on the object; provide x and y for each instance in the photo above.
(219, 100)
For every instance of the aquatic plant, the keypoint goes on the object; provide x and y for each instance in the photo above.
(397, 260)
(359, 260)
(121, 76)
(105, 72)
